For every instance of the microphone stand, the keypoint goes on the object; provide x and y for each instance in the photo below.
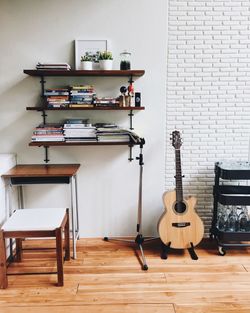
(139, 239)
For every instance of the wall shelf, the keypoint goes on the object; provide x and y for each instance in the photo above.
(63, 143)
(41, 108)
(81, 73)
(115, 73)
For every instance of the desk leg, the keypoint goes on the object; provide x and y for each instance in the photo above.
(76, 204)
(20, 197)
(73, 219)
(10, 211)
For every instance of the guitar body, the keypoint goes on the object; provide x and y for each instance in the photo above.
(180, 229)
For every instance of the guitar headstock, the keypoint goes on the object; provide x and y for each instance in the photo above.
(176, 139)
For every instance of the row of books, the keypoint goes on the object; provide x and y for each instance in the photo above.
(77, 97)
(82, 96)
(57, 97)
(80, 130)
(53, 66)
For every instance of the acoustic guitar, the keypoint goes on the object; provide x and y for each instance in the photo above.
(179, 227)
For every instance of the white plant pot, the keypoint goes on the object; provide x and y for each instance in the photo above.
(86, 65)
(106, 64)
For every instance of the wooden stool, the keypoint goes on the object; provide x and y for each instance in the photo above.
(33, 223)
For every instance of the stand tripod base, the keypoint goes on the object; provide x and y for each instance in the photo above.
(139, 240)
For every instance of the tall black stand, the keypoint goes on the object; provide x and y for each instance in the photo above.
(139, 239)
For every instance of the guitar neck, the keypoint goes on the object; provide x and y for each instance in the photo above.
(178, 176)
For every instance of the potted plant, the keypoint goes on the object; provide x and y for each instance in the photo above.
(106, 60)
(86, 62)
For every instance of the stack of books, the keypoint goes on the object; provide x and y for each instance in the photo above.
(79, 130)
(113, 133)
(48, 132)
(82, 96)
(53, 66)
(109, 102)
(57, 97)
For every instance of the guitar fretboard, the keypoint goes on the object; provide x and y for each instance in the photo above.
(178, 176)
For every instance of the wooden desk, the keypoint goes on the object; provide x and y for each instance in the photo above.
(28, 174)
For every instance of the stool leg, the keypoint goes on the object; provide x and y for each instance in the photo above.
(19, 251)
(3, 269)
(59, 256)
(67, 240)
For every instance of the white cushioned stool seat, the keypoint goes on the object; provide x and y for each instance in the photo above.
(36, 223)
(35, 219)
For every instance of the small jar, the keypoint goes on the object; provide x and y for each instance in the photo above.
(125, 60)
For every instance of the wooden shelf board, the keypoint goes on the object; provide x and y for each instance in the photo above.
(84, 73)
(65, 144)
(87, 108)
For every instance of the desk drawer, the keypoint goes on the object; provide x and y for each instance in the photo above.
(40, 180)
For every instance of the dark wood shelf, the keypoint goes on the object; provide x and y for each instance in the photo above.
(86, 109)
(114, 73)
(63, 143)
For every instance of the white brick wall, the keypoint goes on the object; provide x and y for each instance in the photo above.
(208, 90)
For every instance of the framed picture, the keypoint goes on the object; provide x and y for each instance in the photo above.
(90, 47)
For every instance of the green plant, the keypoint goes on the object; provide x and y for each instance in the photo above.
(105, 55)
(86, 58)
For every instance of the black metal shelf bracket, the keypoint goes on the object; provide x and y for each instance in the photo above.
(46, 160)
(44, 115)
(130, 158)
(42, 81)
(131, 114)
(130, 81)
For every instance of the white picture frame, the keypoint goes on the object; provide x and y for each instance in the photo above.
(92, 47)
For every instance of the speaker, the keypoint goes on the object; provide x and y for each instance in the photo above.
(137, 99)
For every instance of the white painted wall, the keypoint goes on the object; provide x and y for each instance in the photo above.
(33, 31)
(208, 90)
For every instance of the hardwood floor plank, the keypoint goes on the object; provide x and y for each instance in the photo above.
(211, 277)
(120, 308)
(215, 308)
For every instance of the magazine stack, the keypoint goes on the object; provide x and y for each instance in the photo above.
(79, 130)
(113, 133)
(53, 66)
(48, 132)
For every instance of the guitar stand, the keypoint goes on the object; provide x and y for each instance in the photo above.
(139, 239)
(165, 249)
(192, 252)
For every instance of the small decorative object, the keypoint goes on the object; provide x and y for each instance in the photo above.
(86, 62)
(125, 60)
(137, 99)
(106, 60)
(131, 92)
(123, 96)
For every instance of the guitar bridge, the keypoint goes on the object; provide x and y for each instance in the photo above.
(181, 224)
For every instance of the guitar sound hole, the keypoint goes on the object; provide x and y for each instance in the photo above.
(180, 207)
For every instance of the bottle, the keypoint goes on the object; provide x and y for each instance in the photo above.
(222, 218)
(233, 219)
(243, 219)
(125, 60)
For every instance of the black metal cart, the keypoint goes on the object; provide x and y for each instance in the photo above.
(230, 190)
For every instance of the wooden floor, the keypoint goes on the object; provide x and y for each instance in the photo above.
(107, 278)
